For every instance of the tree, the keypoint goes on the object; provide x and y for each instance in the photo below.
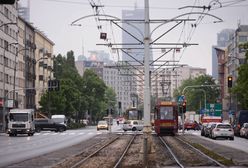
(110, 99)
(94, 91)
(68, 99)
(193, 95)
(241, 87)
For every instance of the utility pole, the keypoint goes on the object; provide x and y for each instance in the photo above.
(147, 106)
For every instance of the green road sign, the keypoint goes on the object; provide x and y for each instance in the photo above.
(214, 109)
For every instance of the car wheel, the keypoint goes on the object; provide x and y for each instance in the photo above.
(231, 138)
(134, 129)
(38, 129)
(61, 129)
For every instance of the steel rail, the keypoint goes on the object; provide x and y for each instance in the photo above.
(124, 153)
(213, 160)
(172, 154)
(82, 161)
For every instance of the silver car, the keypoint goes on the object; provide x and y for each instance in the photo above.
(134, 125)
(222, 130)
(244, 130)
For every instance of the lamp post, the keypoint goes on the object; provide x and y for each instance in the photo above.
(205, 98)
(15, 74)
(10, 23)
(195, 86)
(4, 95)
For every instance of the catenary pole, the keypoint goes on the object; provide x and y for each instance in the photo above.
(147, 125)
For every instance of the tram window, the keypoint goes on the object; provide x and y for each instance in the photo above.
(166, 113)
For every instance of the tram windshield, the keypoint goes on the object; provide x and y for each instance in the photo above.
(166, 113)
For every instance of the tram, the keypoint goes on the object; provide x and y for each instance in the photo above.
(166, 118)
(133, 114)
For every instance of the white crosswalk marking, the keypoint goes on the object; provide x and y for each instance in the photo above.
(70, 133)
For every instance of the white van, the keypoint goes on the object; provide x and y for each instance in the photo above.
(21, 121)
(60, 119)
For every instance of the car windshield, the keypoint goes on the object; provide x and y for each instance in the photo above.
(127, 122)
(102, 122)
(18, 116)
(227, 126)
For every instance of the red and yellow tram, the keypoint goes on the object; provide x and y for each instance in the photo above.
(166, 118)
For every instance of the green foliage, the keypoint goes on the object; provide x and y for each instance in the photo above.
(241, 86)
(195, 96)
(77, 95)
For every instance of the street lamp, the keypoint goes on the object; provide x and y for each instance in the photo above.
(10, 23)
(195, 86)
(15, 74)
(4, 95)
(205, 98)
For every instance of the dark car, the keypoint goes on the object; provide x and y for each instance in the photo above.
(48, 125)
(203, 129)
(209, 128)
(241, 117)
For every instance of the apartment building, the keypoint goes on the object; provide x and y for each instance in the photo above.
(164, 84)
(27, 44)
(8, 49)
(43, 65)
(229, 59)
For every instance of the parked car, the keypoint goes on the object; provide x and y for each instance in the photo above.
(209, 128)
(102, 125)
(240, 118)
(191, 125)
(134, 125)
(48, 125)
(244, 130)
(203, 129)
(222, 130)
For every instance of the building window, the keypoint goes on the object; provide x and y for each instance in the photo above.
(243, 39)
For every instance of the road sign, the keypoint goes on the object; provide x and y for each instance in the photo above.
(181, 98)
(214, 109)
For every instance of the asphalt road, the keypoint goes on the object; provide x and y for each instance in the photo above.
(22, 147)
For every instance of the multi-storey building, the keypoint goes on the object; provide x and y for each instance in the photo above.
(229, 59)
(164, 84)
(223, 39)
(136, 30)
(44, 64)
(123, 83)
(27, 39)
(8, 51)
(236, 57)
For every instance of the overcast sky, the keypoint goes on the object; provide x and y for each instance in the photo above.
(54, 17)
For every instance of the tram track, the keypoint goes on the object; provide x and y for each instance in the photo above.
(108, 154)
(186, 155)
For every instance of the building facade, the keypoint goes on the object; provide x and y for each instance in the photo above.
(223, 39)
(229, 59)
(44, 64)
(30, 61)
(164, 84)
(8, 51)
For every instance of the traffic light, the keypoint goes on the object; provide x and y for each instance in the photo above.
(103, 36)
(7, 2)
(53, 85)
(184, 107)
(229, 81)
